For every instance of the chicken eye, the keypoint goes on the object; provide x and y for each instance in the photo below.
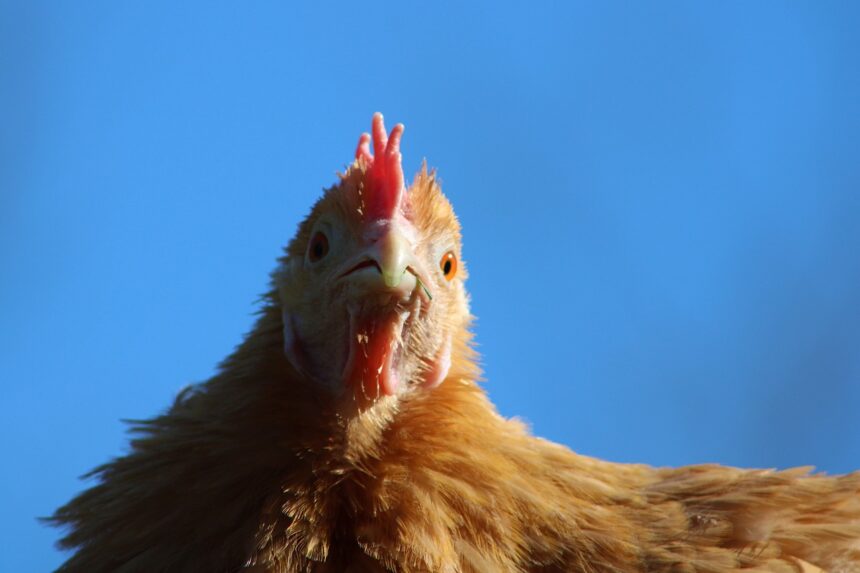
(448, 265)
(318, 247)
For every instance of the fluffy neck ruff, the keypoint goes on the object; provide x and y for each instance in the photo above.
(257, 471)
(420, 480)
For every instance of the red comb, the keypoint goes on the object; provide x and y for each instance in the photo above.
(384, 188)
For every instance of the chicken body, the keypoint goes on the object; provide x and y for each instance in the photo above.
(356, 438)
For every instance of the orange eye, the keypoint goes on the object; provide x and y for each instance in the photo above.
(318, 247)
(448, 264)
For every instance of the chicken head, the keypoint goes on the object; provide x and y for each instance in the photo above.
(371, 288)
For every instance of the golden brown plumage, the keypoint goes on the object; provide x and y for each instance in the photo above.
(277, 465)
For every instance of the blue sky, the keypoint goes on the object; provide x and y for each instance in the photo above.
(660, 205)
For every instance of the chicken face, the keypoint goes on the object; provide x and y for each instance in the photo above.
(371, 288)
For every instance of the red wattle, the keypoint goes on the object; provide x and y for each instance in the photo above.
(370, 370)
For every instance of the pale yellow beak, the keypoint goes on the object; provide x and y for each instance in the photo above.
(388, 263)
(393, 254)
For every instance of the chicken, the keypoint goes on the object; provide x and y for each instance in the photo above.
(348, 432)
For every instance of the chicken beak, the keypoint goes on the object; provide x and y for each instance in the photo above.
(386, 264)
(393, 253)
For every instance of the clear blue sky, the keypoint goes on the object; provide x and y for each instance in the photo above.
(661, 204)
